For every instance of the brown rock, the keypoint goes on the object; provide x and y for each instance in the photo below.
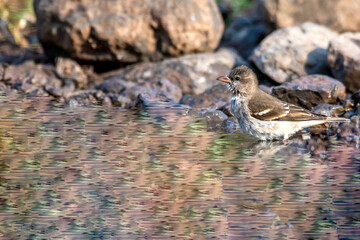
(344, 59)
(69, 69)
(293, 52)
(309, 91)
(339, 15)
(192, 74)
(29, 77)
(127, 31)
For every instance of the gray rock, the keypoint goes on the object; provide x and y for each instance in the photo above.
(125, 93)
(127, 31)
(213, 117)
(357, 112)
(55, 92)
(344, 59)
(214, 97)
(293, 52)
(148, 98)
(356, 98)
(230, 125)
(309, 91)
(339, 15)
(244, 34)
(328, 109)
(191, 74)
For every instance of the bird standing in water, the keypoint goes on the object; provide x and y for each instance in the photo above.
(262, 115)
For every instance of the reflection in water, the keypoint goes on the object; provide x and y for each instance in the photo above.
(82, 173)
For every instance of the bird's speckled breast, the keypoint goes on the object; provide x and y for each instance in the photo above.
(264, 130)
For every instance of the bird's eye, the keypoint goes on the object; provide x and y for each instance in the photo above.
(237, 78)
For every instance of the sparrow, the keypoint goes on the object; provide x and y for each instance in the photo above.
(262, 115)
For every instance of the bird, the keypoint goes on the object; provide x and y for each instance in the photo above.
(264, 116)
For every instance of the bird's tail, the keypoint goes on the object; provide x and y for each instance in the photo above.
(337, 119)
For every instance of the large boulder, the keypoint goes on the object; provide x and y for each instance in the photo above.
(338, 15)
(309, 91)
(127, 31)
(344, 59)
(292, 52)
(193, 74)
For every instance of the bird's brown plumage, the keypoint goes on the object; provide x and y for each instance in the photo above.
(268, 108)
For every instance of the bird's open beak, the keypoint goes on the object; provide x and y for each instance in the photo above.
(224, 79)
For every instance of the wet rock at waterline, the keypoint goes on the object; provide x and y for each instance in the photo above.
(309, 91)
(127, 31)
(123, 93)
(145, 100)
(344, 59)
(230, 125)
(193, 74)
(214, 118)
(293, 52)
(69, 70)
(338, 15)
(30, 77)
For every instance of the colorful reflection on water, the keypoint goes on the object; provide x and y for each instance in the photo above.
(105, 173)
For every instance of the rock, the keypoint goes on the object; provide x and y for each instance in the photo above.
(244, 34)
(82, 98)
(357, 111)
(293, 52)
(226, 109)
(224, 9)
(29, 77)
(214, 97)
(338, 15)
(69, 69)
(190, 74)
(213, 117)
(309, 91)
(344, 59)
(55, 92)
(230, 125)
(145, 99)
(127, 31)
(125, 93)
(15, 54)
(265, 88)
(356, 98)
(328, 109)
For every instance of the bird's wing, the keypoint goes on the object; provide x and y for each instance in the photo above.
(268, 108)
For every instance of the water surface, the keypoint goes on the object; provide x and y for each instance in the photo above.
(106, 173)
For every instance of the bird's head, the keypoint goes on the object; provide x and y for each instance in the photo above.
(242, 81)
